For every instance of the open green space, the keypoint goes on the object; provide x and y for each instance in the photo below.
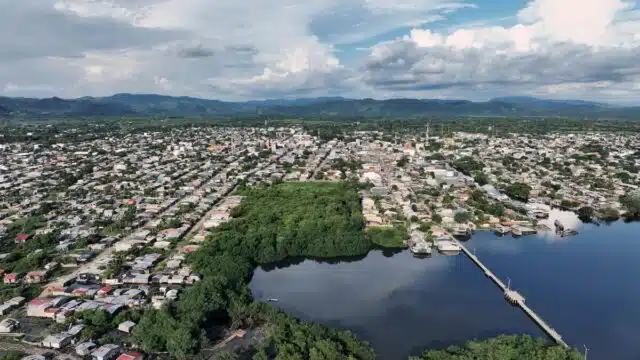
(388, 237)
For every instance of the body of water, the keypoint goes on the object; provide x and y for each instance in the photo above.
(585, 286)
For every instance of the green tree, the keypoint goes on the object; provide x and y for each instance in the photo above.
(468, 165)
(503, 348)
(496, 209)
(183, 342)
(402, 162)
(586, 213)
(631, 203)
(462, 217)
(11, 355)
(518, 191)
(610, 214)
(436, 218)
(481, 178)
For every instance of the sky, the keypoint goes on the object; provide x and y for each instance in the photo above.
(257, 49)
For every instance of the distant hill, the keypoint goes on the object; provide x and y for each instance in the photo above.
(549, 104)
(327, 107)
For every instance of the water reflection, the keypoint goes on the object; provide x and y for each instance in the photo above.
(567, 218)
(400, 304)
(501, 245)
(585, 287)
(307, 284)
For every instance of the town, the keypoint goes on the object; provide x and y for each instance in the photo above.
(96, 230)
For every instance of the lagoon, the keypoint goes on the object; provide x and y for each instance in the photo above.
(585, 286)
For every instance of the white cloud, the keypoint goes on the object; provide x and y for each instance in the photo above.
(582, 22)
(234, 50)
(558, 48)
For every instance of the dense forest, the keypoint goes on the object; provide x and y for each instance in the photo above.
(295, 219)
(502, 348)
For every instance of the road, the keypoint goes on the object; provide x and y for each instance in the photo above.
(8, 344)
(321, 163)
(195, 228)
(102, 259)
(96, 265)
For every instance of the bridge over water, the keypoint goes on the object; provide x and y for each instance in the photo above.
(515, 298)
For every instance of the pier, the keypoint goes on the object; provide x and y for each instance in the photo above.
(515, 298)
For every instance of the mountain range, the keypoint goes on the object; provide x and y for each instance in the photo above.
(129, 105)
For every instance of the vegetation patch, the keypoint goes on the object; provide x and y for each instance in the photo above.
(295, 219)
(503, 348)
(388, 237)
(274, 222)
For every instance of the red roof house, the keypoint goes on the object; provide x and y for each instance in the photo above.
(11, 278)
(131, 355)
(36, 277)
(21, 238)
(79, 292)
(105, 290)
(190, 248)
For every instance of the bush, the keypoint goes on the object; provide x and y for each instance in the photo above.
(610, 214)
(631, 203)
(462, 217)
(481, 178)
(518, 191)
(586, 213)
(388, 237)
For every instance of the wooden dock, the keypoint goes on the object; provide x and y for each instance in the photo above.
(515, 298)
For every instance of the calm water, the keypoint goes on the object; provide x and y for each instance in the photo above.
(585, 286)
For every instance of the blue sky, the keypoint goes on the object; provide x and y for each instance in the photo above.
(485, 12)
(252, 49)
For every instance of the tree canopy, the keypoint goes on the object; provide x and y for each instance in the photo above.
(631, 203)
(503, 348)
(518, 191)
(468, 165)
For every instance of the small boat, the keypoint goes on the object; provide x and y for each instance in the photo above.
(515, 230)
(272, 300)
(461, 232)
(448, 247)
(421, 248)
(500, 230)
(568, 232)
(528, 230)
(537, 214)
(543, 227)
